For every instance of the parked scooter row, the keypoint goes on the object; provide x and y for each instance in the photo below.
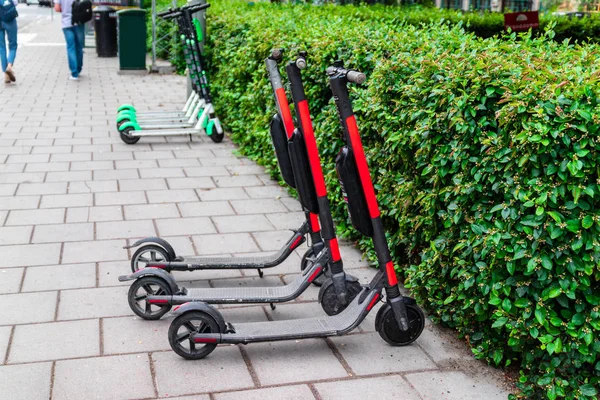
(199, 327)
(198, 115)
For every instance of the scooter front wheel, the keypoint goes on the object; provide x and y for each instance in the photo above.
(127, 137)
(213, 132)
(184, 326)
(388, 329)
(329, 299)
(146, 254)
(141, 289)
(305, 263)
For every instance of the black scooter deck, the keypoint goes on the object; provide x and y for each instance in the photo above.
(235, 262)
(324, 326)
(237, 295)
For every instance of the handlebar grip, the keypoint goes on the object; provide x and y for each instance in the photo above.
(277, 54)
(356, 77)
(163, 14)
(350, 75)
(301, 62)
(197, 7)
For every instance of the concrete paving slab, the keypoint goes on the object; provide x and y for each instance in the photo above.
(258, 206)
(120, 198)
(171, 196)
(244, 223)
(455, 385)
(151, 211)
(10, 280)
(36, 217)
(15, 235)
(60, 340)
(109, 272)
(25, 382)
(124, 229)
(294, 361)
(196, 208)
(394, 386)
(223, 244)
(185, 226)
(93, 303)
(29, 255)
(71, 276)
(369, 354)
(296, 392)
(270, 240)
(116, 377)
(202, 376)
(63, 233)
(26, 308)
(215, 194)
(104, 250)
(135, 335)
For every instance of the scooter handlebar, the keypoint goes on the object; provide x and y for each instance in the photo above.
(351, 75)
(175, 12)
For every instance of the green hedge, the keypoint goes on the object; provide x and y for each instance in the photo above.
(484, 157)
(484, 25)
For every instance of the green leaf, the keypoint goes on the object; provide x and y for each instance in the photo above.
(519, 254)
(558, 345)
(500, 322)
(554, 292)
(540, 316)
(521, 302)
(449, 300)
(546, 262)
(588, 390)
(555, 216)
(587, 222)
(573, 225)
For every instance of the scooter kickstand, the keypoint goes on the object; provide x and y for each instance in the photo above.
(260, 273)
(273, 307)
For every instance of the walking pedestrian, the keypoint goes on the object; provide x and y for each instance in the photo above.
(74, 36)
(8, 31)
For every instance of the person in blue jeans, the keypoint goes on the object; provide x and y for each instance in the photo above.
(8, 30)
(74, 36)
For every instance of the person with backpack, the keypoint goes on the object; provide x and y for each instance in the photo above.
(8, 30)
(75, 14)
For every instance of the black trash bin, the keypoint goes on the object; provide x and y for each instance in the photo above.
(105, 27)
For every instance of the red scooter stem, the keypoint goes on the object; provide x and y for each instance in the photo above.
(338, 82)
(283, 108)
(302, 110)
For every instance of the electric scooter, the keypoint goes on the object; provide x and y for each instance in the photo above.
(125, 112)
(207, 122)
(155, 287)
(198, 327)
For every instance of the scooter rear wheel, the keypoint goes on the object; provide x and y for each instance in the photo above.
(139, 291)
(181, 330)
(127, 137)
(386, 325)
(146, 254)
(329, 299)
(305, 263)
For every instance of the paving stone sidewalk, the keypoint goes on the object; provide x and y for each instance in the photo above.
(72, 195)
